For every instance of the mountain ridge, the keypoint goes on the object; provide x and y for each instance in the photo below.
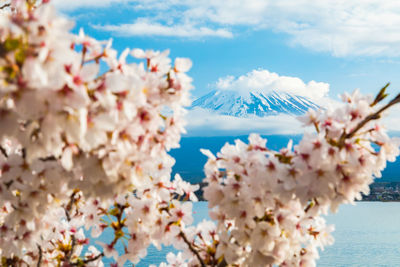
(232, 103)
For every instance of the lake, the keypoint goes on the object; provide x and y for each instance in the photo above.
(367, 234)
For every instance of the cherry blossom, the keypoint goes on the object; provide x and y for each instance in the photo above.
(84, 151)
(269, 205)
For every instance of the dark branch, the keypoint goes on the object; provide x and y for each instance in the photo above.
(369, 118)
(50, 158)
(73, 239)
(71, 252)
(23, 151)
(94, 259)
(40, 256)
(222, 263)
(192, 249)
(3, 151)
(5, 5)
(88, 260)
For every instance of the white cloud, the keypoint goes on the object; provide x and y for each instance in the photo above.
(202, 122)
(75, 4)
(340, 27)
(205, 122)
(148, 28)
(391, 119)
(265, 81)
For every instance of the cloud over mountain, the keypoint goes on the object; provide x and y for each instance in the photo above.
(266, 82)
(259, 101)
(203, 122)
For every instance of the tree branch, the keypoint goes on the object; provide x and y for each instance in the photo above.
(71, 252)
(222, 263)
(5, 5)
(369, 118)
(73, 239)
(40, 256)
(50, 158)
(3, 151)
(88, 260)
(192, 249)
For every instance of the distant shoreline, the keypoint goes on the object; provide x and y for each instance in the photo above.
(380, 192)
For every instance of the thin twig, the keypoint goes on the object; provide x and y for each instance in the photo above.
(3, 151)
(23, 152)
(50, 158)
(94, 259)
(71, 252)
(369, 118)
(192, 249)
(40, 256)
(73, 239)
(88, 260)
(222, 263)
(5, 5)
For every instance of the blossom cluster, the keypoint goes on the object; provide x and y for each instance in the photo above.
(84, 135)
(84, 141)
(269, 204)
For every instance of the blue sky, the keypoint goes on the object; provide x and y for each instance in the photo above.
(247, 44)
(346, 44)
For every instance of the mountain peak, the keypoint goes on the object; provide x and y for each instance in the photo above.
(255, 103)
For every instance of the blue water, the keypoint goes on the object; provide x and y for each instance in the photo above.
(190, 162)
(367, 234)
(154, 256)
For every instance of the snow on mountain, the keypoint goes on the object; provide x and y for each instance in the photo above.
(232, 103)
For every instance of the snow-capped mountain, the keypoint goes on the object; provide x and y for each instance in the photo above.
(231, 103)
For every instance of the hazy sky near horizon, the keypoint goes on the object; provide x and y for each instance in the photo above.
(340, 45)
